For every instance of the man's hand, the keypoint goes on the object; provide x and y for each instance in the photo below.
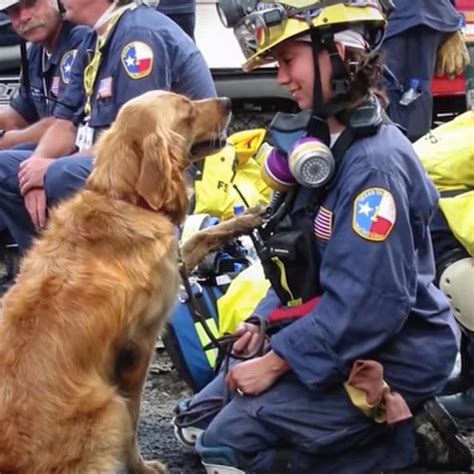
(35, 202)
(453, 56)
(8, 140)
(31, 174)
(255, 376)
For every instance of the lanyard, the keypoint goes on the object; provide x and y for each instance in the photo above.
(92, 70)
(44, 70)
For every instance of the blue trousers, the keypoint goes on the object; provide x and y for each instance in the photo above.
(63, 178)
(3, 226)
(412, 55)
(323, 429)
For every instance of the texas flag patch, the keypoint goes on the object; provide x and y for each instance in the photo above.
(137, 59)
(66, 65)
(374, 214)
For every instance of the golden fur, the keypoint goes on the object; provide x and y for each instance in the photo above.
(80, 324)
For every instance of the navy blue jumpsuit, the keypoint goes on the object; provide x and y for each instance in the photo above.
(378, 302)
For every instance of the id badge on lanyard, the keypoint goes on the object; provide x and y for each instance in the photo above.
(85, 137)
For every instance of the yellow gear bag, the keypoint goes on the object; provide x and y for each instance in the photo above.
(241, 298)
(447, 154)
(459, 213)
(238, 164)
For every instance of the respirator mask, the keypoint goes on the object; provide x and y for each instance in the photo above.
(300, 158)
(296, 157)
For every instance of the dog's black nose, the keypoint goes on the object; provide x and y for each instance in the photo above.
(226, 102)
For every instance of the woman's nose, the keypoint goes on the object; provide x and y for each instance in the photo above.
(282, 76)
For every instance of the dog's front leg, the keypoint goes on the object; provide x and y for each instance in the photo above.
(195, 249)
(132, 369)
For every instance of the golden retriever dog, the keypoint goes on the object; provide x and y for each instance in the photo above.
(79, 326)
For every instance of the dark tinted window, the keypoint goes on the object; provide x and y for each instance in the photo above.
(7, 36)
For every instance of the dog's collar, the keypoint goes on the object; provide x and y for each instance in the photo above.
(135, 200)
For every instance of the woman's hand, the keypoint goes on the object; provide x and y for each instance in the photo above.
(248, 335)
(255, 376)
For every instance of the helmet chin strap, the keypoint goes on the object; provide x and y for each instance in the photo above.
(317, 125)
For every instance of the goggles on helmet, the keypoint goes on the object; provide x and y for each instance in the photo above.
(271, 23)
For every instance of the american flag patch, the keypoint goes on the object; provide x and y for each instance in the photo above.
(54, 89)
(105, 88)
(323, 224)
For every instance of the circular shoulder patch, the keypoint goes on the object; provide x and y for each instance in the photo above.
(374, 214)
(137, 59)
(66, 65)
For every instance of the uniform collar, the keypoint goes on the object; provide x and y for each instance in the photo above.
(59, 50)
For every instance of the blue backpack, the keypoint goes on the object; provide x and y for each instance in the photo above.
(185, 338)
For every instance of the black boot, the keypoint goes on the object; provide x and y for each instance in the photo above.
(438, 441)
(461, 406)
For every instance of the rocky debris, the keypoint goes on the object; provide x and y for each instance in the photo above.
(163, 390)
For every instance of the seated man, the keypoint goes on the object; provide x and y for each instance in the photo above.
(138, 50)
(54, 44)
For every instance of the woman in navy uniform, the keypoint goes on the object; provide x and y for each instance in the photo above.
(138, 49)
(368, 337)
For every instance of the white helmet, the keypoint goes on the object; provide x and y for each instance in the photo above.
(457, 282)
(4, 4)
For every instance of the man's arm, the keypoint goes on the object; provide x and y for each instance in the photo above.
(10, 119)
(30, 134)
(59, 140)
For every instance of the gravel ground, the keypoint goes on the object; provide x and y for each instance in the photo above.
(163, 390)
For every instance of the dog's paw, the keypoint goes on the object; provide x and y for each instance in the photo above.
(154, 467)
(253, 218)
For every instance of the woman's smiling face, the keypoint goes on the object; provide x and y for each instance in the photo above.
(296, 71)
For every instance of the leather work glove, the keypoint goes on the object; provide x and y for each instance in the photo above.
(453, 56)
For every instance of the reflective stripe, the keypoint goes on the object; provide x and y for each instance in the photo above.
(211, 354)
(284, 282)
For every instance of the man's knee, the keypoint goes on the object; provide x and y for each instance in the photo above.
(10, 166)
(65, 176)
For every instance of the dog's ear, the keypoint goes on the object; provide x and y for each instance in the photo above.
(161, 182)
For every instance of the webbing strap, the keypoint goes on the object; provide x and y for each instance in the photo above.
(92, 69)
